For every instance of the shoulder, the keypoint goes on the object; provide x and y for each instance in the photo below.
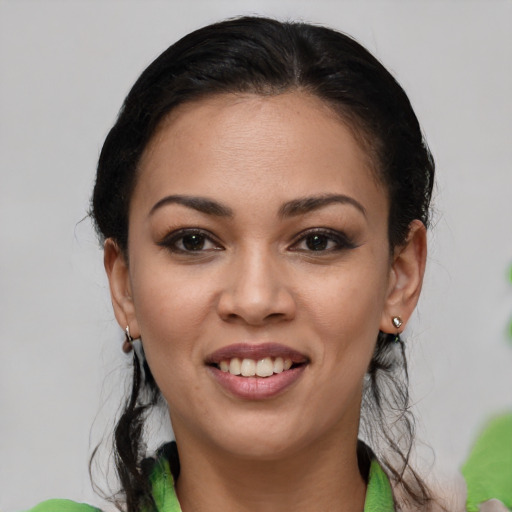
(63, 506)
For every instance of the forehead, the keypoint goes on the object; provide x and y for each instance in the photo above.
(289, 144)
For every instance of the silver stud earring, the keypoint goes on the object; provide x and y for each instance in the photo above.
(396, 320)
(397, 323)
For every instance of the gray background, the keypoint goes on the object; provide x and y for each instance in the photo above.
(65, 68)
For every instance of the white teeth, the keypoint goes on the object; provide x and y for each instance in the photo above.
(278, 365)
(264, 367)
(248, 367)
(234, 366)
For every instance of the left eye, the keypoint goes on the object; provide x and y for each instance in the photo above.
(318, 242)
(321, 241)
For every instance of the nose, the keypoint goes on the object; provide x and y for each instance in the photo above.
(256, 291)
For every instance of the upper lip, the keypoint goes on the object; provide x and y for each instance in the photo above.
(256, 351)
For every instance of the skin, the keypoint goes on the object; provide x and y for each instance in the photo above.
(256, 279)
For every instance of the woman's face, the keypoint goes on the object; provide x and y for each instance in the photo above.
(257, 240)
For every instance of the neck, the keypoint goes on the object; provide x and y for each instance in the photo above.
(322, 477)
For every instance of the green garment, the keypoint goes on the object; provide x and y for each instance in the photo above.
(63, 506)
(379, 497)
(488, 470)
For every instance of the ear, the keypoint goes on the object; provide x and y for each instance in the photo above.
(118, 274)
(406, 278)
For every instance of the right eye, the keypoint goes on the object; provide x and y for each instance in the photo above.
(189, 241)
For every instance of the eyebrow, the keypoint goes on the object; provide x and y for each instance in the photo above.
(201, 204)
(292, 208)
(308, 204)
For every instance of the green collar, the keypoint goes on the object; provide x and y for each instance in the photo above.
(379, 497)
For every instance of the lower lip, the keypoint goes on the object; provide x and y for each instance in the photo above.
(257, 388)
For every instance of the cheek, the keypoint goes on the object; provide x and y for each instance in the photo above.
(346, 315)
(172, 311)
(170, 316)
(169, 304)
(348, 302)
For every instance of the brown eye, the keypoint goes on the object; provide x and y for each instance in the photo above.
(317, 242)
(322, 240)
(189, 241)
(193, 242)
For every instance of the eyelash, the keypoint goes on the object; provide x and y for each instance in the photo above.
(341, 241)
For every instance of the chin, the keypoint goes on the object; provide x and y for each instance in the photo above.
(257, 435)
(262, 446)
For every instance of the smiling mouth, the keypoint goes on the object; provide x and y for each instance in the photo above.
(256, 360)
(264, 367)
(253, 371)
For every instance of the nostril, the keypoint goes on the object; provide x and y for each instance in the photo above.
(255, 297)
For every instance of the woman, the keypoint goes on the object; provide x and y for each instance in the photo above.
(263, 200)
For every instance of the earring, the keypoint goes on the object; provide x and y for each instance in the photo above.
(396, 320)
(128, 341)
(397, 323)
